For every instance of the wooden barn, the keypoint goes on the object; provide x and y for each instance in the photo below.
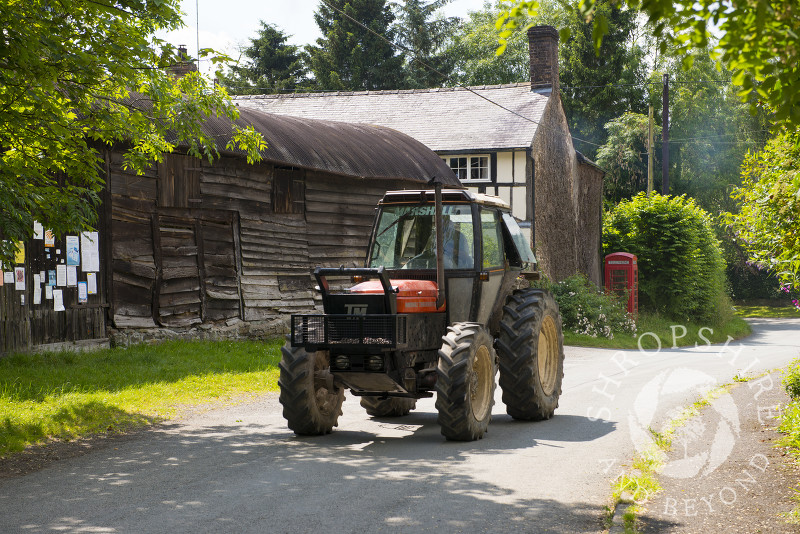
(191, 247)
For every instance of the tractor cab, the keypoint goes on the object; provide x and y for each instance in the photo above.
(444, 281)
(482, 246)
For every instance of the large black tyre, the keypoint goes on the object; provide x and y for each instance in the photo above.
(531, 355)
(465, 382)
(309, 406)
(391, 407)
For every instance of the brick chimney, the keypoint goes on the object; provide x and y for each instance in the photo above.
(184, 65)
(543, 46)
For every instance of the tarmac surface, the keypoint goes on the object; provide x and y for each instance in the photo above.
(750, 491)
(239, 469)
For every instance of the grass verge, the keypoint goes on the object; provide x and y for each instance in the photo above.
(636, 486)
(775, 312)
(790, 427)
(66, 395)
(654, 331)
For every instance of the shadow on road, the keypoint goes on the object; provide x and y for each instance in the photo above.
(404, 477)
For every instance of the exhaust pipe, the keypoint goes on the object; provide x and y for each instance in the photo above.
(439, 246)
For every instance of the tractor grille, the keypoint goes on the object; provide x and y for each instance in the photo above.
(348, 330)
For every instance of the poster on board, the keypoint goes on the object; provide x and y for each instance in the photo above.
(19, 254)
(61, 275)
(19, 278)
(58, 300)
(91, 281)
(82, 293)
(73, 250)
(37, 289)
(90, 252)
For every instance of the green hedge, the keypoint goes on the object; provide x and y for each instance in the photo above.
(681, 268)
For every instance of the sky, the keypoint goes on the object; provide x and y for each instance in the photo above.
(228, 23)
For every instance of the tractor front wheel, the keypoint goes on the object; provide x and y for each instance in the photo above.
(391, 407)
(531, 354)
(311, 403)
(465, 382)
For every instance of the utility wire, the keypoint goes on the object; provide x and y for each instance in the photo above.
(445, 76)
(471, 90)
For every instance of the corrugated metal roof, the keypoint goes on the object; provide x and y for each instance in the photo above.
(444, 119)
(337, 147)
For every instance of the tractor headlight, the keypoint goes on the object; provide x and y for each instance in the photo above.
(342, 362)
(374, 363)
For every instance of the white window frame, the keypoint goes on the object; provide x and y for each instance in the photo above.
(469, 157)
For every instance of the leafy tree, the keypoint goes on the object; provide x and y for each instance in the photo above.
(624, 156)
(473, 46)
(348, 56)
(758, 40)
(768, 222)
(710, 129)
(596, 88)
(418, 30)
(681, 270)
(272, 65)
(76, 75)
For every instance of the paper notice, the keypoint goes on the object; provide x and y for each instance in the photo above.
(48, 292)
(90, 252)
(19, 255)
(72, 276)
(73, 250)
(8, 277)
(58, 300)
(38, 231)
(49, 239)
(82, 293)
(19, 278)
(91, 281)
(61, 275)
(37, 289)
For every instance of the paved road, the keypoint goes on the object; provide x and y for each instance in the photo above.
(239, 469)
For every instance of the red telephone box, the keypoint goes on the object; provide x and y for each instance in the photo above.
(622, 274)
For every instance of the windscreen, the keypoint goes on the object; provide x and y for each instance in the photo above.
(406, 237)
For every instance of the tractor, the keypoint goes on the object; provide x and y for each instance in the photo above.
(442, 302)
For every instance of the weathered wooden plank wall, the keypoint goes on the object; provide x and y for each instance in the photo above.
(190, 242)
(25, 323)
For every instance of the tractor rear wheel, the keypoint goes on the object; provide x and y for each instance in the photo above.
(391, 407)
(311, 404)
(531, 355)
(465, 382)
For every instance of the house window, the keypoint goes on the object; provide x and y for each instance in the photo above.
(470, 168)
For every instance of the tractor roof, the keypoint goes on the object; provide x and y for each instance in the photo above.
(448, 196)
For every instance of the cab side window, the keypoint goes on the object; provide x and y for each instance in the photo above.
(491, 228)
